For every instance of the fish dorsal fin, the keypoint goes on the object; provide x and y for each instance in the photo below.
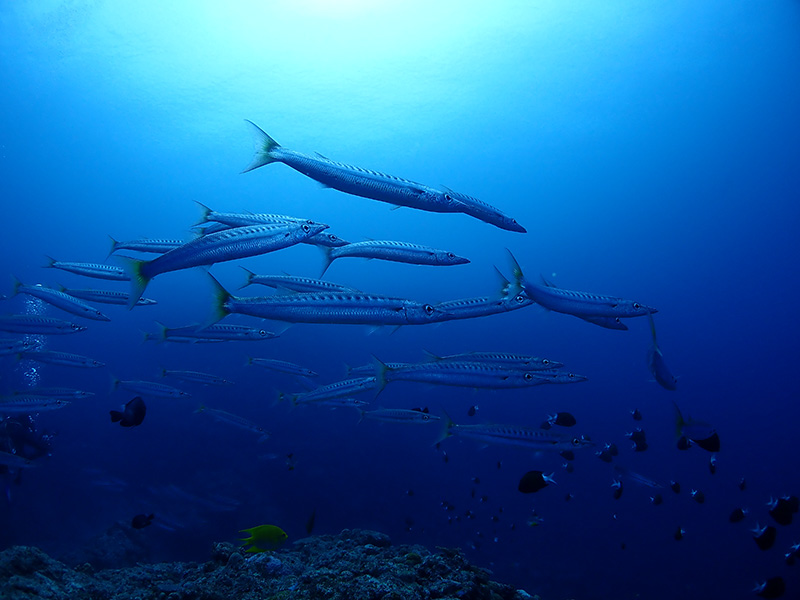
(547, 283)
(322, 156)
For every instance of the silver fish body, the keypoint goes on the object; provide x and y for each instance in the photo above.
(395, 251)
(36, 324)
(98, 271)
(60, 300)
(61, 358)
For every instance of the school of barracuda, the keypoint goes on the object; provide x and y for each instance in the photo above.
(231, 236)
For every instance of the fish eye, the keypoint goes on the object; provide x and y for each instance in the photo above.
(448, 196)
(528, 376)
(637, 305)
(570, 375)
(428, 309)
(332, 237)
(545, 361)
(520, 298)
(576, 441)
(306, 228)
(425, 418)
(262, 332)
(75, 327)
(450, 255)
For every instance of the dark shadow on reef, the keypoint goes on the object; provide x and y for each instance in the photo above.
(354, 564)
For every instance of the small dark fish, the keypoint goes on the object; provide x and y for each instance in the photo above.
(792, 555)
(702, 434)
(774, 587)
(409, 492)
(310, 522)
(567, 454)
(712, 464)
(698, 496)
(782, 510)
(472, 410)
(683, 443)
(604, 455)
(132, 413)
(445, 458)
(476, 480)
(675, 487)
(640, 446)
(142, 521)
(568, 497)
(291, 462)
(562, 419)
(656, 500)
(533, 481)
(499, 464)
(616, 485)
(483, 499)
(612, 449)
(637, 416)
(737, 515)
(636, 436)
(743, 484)
(568, 467)
(764, 536)
(679, 533)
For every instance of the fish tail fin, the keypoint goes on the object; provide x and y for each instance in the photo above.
(250, 276)
(328, 257)
(431, 356)
(200, 408)
(652, 328)
(249, 361)
(114, 383)
(679, 421)
(361, 413)
(221, 297)
(116, 416)
(114, 244)
(139, 281)
(205, 212)
(264, 146)
(15, 283)
(162, 332)
(380, 374)
(163, 372)
(444, 432)
(50, 262)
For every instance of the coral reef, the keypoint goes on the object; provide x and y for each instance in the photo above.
(354, 564)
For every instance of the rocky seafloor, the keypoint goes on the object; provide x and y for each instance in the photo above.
(355, 564)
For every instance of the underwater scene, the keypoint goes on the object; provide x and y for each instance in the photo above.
(399, 299)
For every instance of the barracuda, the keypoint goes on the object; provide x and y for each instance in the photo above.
(95, 270)
(239, 242)
(60, 300)
(38, 324)
(281, 366)
(580, 304)
(145, 245)
(512, 435)
(333, 307)
(371, 184)
(61, 358)
(394, 251)
(294, 284)
(515, 361)
(106, 297)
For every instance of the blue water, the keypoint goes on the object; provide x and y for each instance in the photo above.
(651, 151)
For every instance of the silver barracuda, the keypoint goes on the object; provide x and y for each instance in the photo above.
(338, 389)
(243, 219)
(281, 366)
(460, 374)
(106, 297)
(218, 331)
(17, 347)
(95, 270)
(55, 392)
(25, 404)
(153, 246)
(36, 324)
(513, 435)
(507, 359)
(222, 416)
(61, 358)
(60, 300)
(579, 304)
(196, 377)
(333, 307)
(150, 388)
(398, 415)
(239, 242)
(394, 251)
(326, 239)
(294, 284)
(368, 184)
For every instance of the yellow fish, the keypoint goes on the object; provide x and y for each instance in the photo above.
(264, 538)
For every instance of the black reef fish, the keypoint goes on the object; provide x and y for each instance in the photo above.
(142, 521)
(132, 413)
(533, 481)
(774, 587)
(764, 536)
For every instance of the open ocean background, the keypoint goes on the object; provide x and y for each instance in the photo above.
(652, 151)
